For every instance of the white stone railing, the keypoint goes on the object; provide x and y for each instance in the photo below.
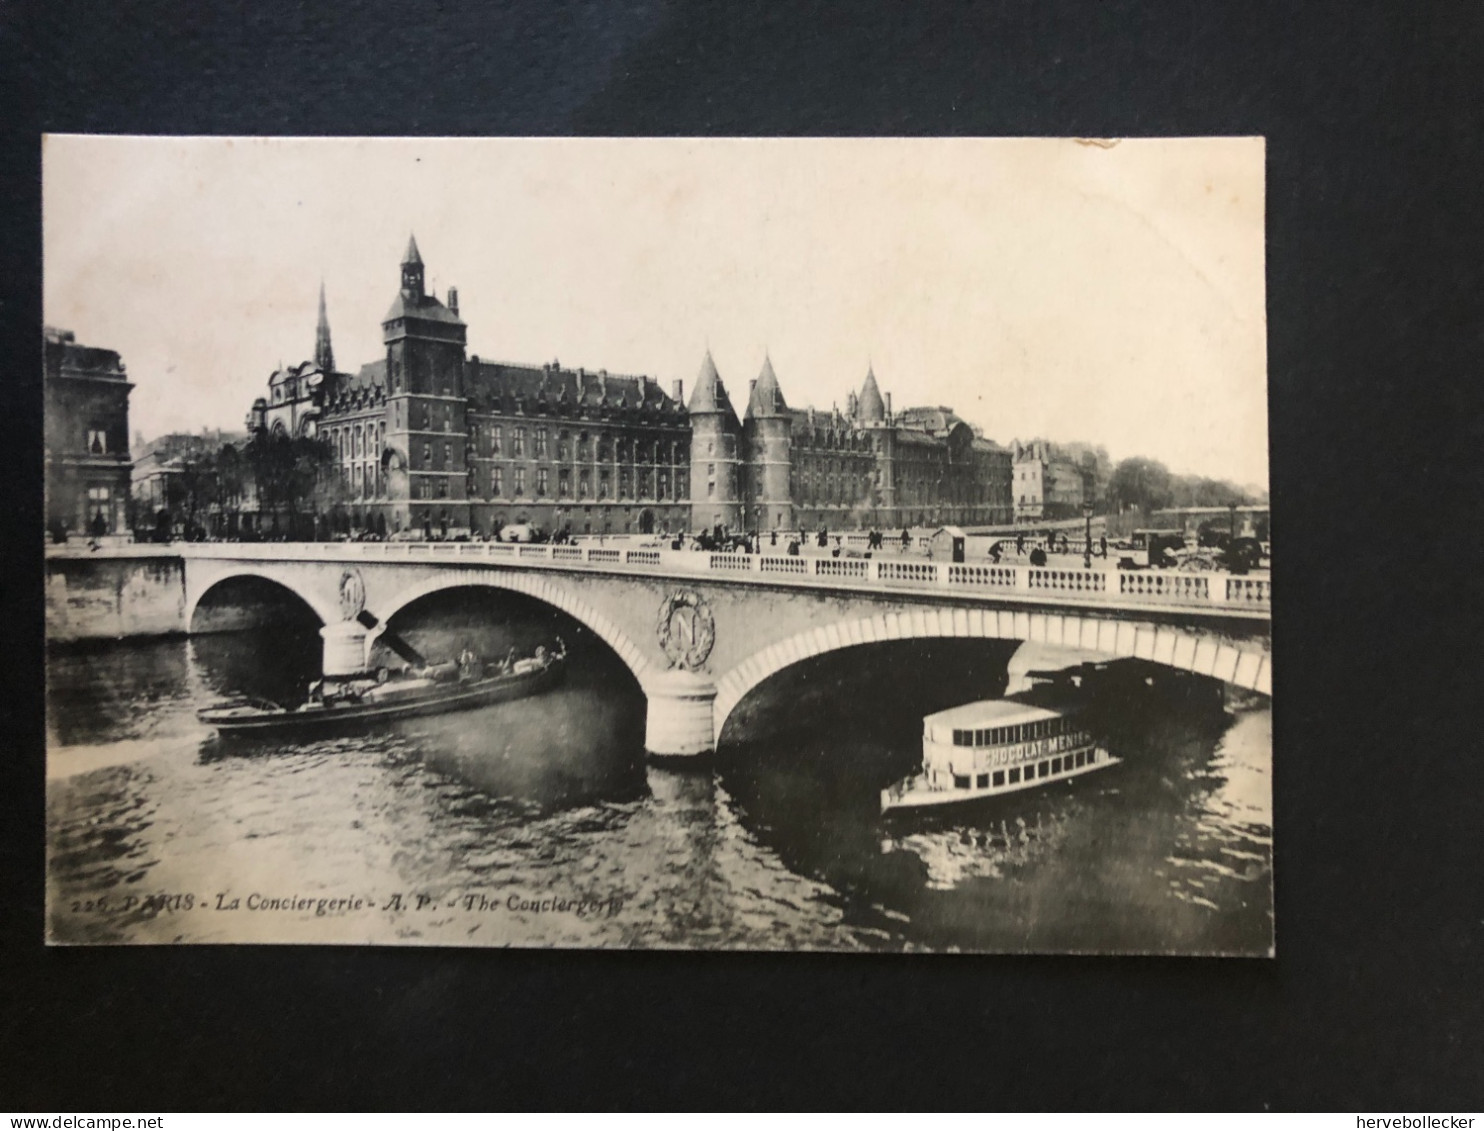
(1067, 580)
(732, 563)
(1160, 585)
(982, 576)
(772, 563)
(1249, 590)
(857, 569)
(1039, 584)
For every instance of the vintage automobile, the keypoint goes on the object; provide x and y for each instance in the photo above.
(1150, 549)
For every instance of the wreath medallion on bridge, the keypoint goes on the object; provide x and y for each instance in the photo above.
(686, 629)
(352, 594)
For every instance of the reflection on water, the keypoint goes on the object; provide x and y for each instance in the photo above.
(540, 822)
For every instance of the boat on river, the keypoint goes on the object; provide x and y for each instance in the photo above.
(996, 747)
(385, 696)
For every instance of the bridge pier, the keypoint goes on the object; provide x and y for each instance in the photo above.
(344, 648)
(680, 722)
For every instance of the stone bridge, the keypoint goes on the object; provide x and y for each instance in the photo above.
(700, 630)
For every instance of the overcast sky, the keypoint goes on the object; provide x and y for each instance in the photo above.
(1040, 288)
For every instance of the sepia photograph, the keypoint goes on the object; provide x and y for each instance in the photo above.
(836, 544)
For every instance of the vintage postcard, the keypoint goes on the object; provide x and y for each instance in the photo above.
(830, 544)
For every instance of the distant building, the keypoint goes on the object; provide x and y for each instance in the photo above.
(429, 440)
(1049, 483)
(784, 468)
(168, 471)
(86, 437)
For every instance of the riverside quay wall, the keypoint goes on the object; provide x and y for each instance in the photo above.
(104, 594)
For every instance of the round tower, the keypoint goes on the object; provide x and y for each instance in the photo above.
(766, 427)
(715, 439)
(874, 414)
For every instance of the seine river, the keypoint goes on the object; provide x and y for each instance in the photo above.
(541, 823)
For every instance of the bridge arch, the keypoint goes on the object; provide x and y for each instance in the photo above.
(540, 588)
(326, 613)
(1160, 643)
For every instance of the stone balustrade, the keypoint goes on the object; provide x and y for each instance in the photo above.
(1210, 590)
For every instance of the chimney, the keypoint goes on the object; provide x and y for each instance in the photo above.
(453, 299)
(888, 408)
(677, 389)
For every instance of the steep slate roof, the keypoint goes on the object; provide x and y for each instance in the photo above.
(767, 397)
(412, 256)
(496, 386)
(871, 409)
(913, 437)
(372, 375)
(426, 307)
(929, 418)
(710, 394)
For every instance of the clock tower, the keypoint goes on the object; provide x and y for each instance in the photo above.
(426, 425)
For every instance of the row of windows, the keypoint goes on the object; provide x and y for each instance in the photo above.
(835, 441)
(358, 441)
(812, 488)
(363, 481)
(430, 488)
(651, 485)
(1021, 732)
(1035, 770)
(834, 466)
(489, 440)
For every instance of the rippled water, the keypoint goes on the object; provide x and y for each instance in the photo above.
(540, 822)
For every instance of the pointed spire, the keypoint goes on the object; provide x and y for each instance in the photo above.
(324, 354)
(871, 409)
(709, 392)
(767, 397)
(412, 274)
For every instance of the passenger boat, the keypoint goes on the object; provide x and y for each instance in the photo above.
(996, 747)
(384, 696)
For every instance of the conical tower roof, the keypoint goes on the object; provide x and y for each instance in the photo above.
(710, 395)
(767, 397)
(412, 258)
(871, 409)
(709, 392)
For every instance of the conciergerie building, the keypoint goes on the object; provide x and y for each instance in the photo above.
(429, 438)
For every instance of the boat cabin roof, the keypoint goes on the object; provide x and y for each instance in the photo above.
(990, 713)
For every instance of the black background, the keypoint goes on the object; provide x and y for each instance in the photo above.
(1372, 113)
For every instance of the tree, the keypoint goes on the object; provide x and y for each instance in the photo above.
(1142, 483)
(196, 483)
(287, 473)
(231, 483)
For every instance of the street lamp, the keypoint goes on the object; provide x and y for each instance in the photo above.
(1087, 534)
